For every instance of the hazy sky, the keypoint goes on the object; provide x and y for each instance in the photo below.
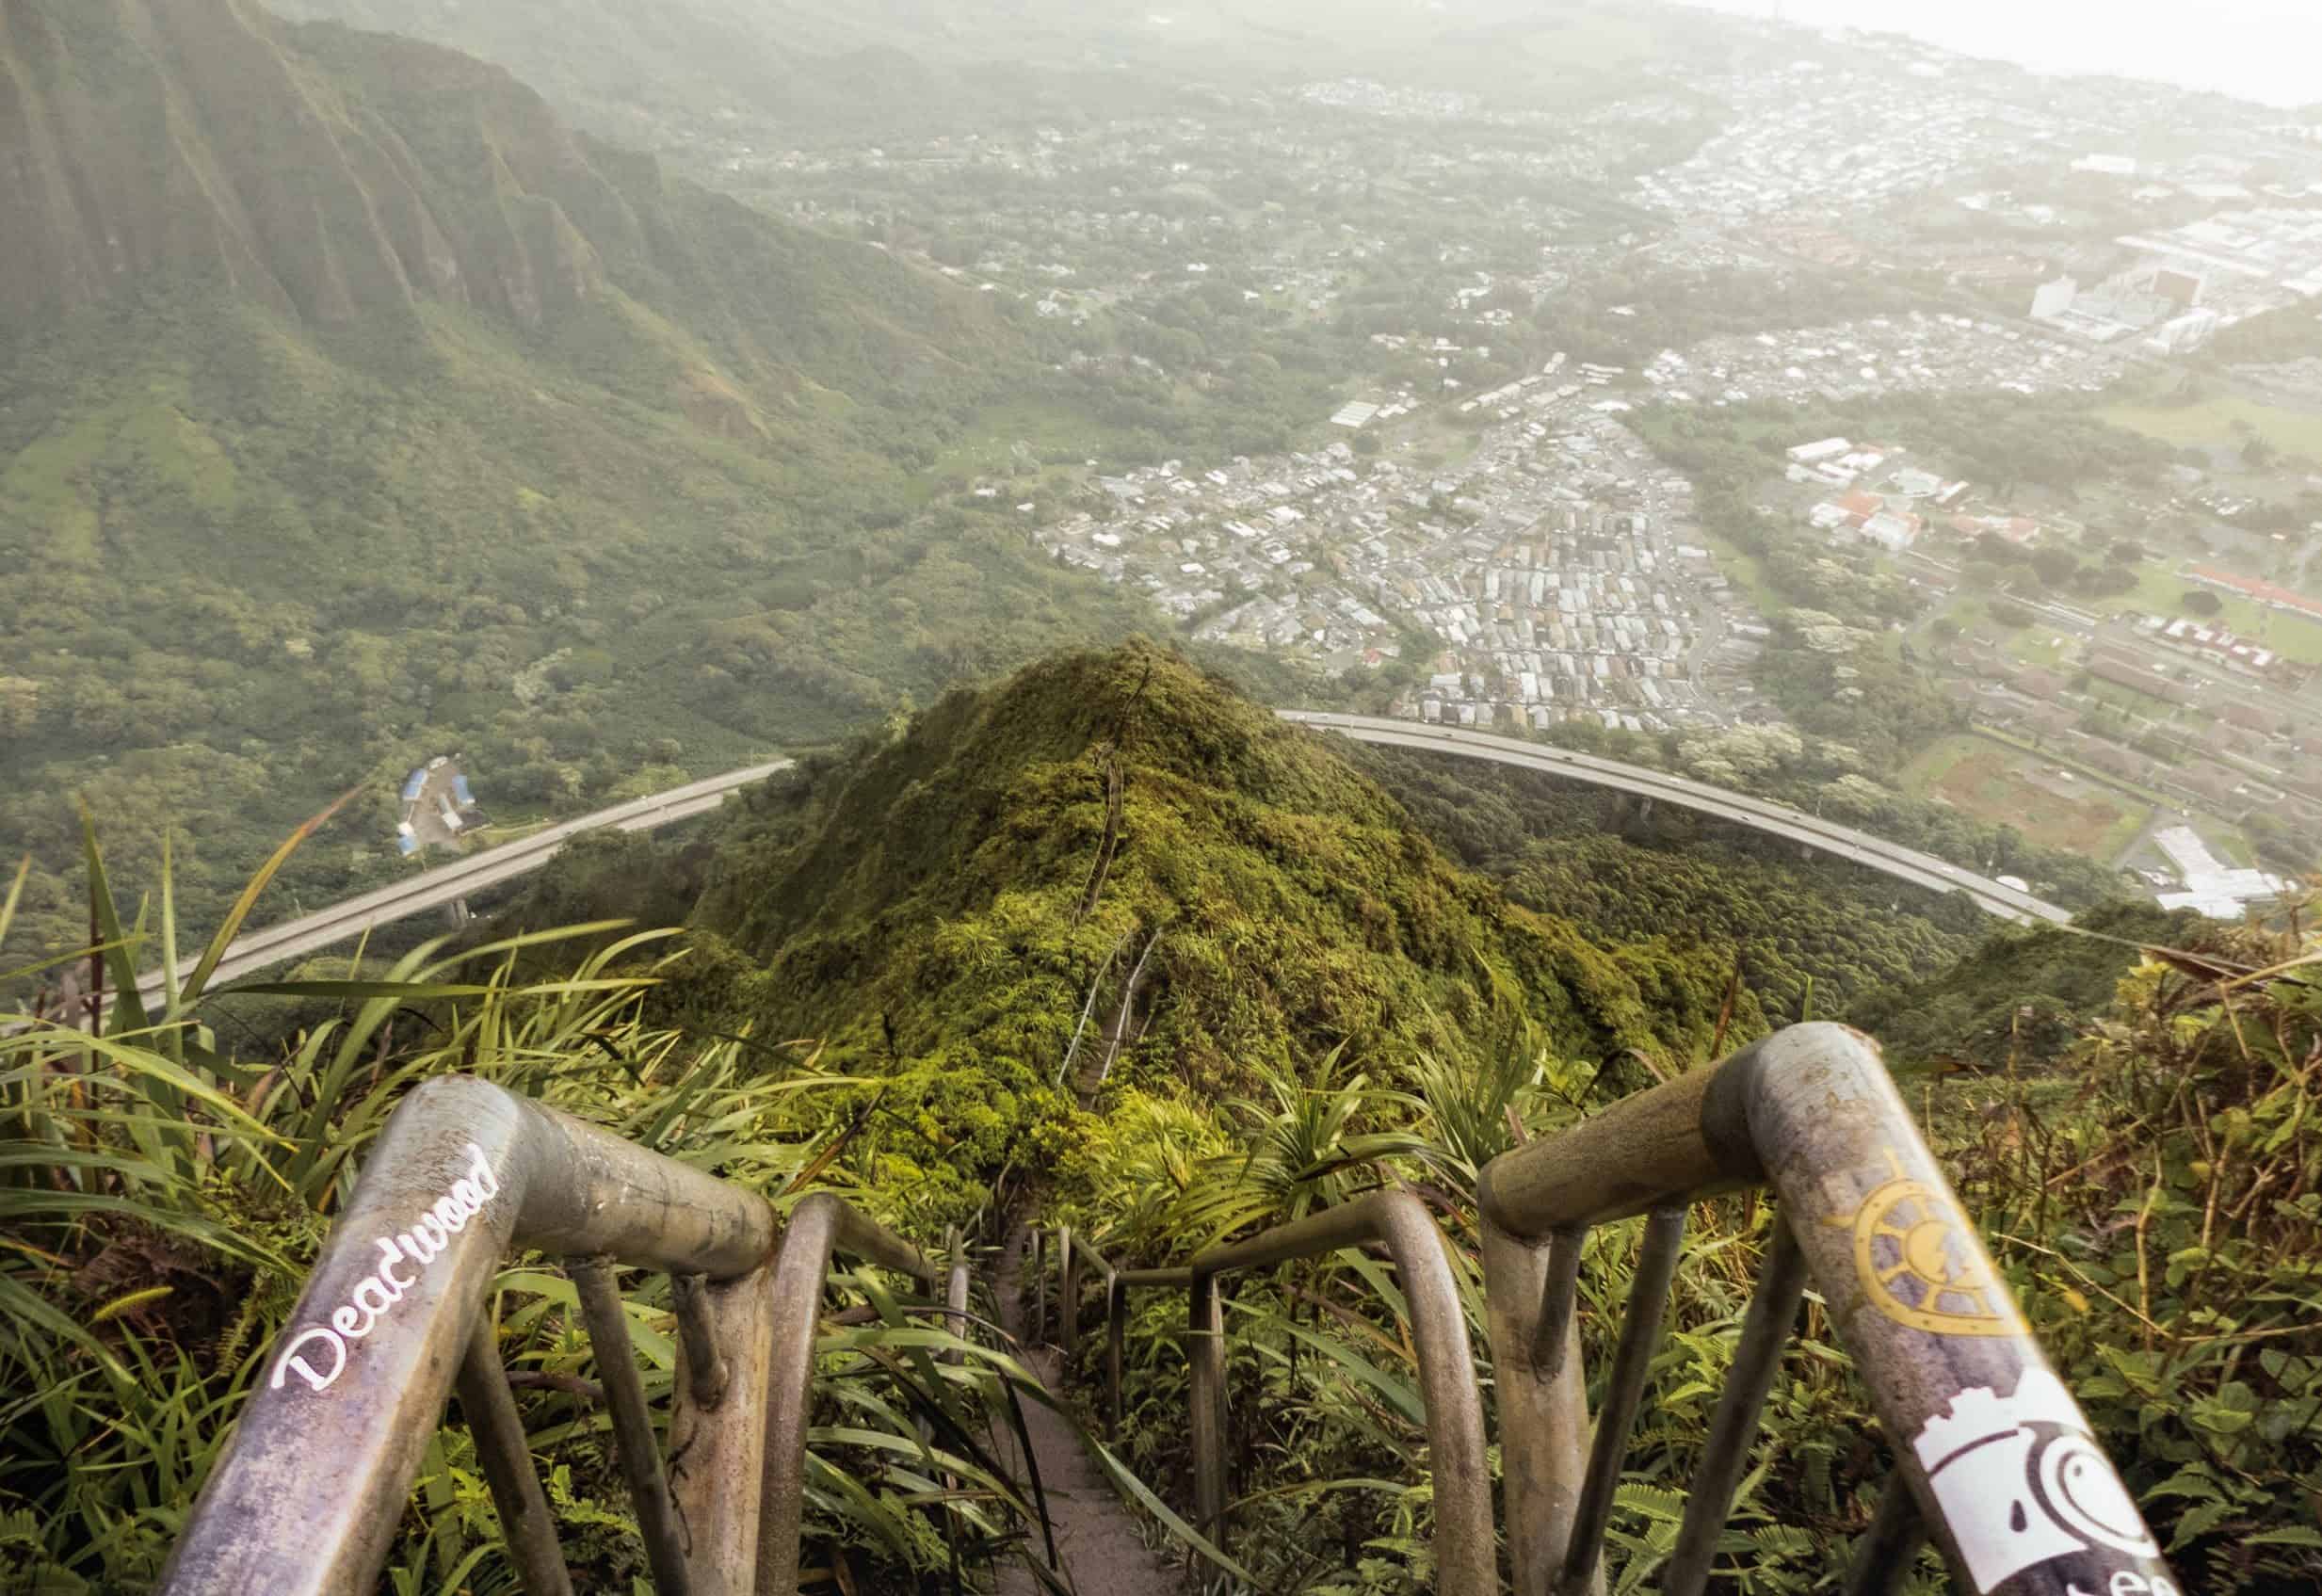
(2261, 49)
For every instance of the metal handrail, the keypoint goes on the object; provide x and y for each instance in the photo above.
(820, 1226)
(1867, 1220)
(309, 1491)
(1394, 1219)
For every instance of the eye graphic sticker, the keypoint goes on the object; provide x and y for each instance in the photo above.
(1917, 1258)
(2019, 1480)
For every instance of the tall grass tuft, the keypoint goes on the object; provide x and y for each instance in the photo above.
(160, 1196)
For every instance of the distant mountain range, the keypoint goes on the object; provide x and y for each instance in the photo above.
(896, 69)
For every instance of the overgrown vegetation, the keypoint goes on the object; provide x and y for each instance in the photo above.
(1107, 944)
(2147, 1190)
(161, 1199)
(1803, 932)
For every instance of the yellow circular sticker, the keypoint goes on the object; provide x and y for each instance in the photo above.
(1919, 1262)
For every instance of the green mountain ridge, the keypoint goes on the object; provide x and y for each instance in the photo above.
(941, 908)
(955, 911)
(331, 175)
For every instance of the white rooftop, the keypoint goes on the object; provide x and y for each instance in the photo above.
(2212, 887)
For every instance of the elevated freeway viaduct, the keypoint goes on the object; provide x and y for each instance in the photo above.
(1776, 819)
(345, 922)
(448, 883)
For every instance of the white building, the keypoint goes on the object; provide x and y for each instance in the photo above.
(1891, 532)
(2052, 299)
(2186, 332)
(2210, 886)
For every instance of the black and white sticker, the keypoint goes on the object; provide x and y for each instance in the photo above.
(2019, 1480)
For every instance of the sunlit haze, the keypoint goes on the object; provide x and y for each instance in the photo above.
(2269, 50)
(1368, 650)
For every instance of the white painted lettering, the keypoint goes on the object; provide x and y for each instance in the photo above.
(372, 1296)
(390, 1256)
(293, 1359)
(377, 1302)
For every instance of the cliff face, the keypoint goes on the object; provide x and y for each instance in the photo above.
(331, 175)
(144, 138)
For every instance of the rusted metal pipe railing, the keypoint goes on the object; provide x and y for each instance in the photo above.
(1400, 1223)
(2001, 1469)
(821, 1226)
(1995, 1464)
(309, 1491)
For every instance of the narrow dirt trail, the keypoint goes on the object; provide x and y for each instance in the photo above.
(1097, 1538)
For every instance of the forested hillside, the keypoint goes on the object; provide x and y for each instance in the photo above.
(358, 411)
(1115, 861)
(1108, 943)
(1806, 934)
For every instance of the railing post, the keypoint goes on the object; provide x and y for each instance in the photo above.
(1205, 1356)
(717, 1453)
(2006, 1472)
(1068, 1293)
(635, 1446)
(307, 1496)
(955, 1289)
(1543, 1402)
(697, 1337)
(820, 1225)
(1640, 1333)
(507, 1457)
(799, 1273)
(1116, 1341)
(1757, 1358)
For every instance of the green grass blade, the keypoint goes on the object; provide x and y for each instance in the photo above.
(16, 893)
(232, 926)
(33, 1310)
(128, 1006)
(170, 998)
(408, 992)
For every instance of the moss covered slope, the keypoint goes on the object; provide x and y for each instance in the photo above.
(942, 909)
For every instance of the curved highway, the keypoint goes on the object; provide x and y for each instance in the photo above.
(343, 922)
(1777, 819)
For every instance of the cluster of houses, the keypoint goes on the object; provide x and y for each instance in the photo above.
(1545, 566)
(2219, 646)
(1812, 137)
(438, 807)
(1891, 518)
(1919, 351)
